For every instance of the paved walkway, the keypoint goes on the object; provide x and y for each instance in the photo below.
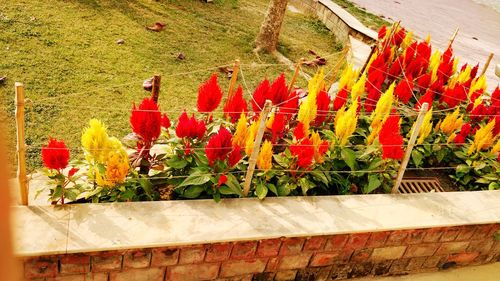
(489, 272)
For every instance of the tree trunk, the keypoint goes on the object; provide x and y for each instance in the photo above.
(267, 39)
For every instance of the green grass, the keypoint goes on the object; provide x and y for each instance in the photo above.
(65, 53)
(370, 20)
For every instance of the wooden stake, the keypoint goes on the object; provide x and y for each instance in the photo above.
(21, 146)
(338, 65)
(155, 90)
(256, 147)
(411, 144)
(452, 39)
(487, 64)
(234, 77)
(374, 47)
(295, 74)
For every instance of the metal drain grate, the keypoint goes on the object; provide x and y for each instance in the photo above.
(420, 185)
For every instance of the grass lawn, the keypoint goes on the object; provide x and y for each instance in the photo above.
(370, 20)
(65, 53)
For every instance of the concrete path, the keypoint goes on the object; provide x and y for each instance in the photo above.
(489, 272)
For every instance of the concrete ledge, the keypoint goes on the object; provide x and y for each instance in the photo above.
(48, 230)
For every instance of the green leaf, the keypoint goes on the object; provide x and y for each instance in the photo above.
(216, 197)
(305, 185)
(88, 194)
(146, 185)
(234, 185)
(282, 160)
(478, 165)
(284, 190)
(417, 157)
(193, 191)
(71, 193)
(373, 183)
(261, 191)
(440, 155)
(493, 186)
(226, 190)
(349, 157)
(176, 163)
(272, 187)
(375, 163)
(320, 176)
(463, 168)
(195, 179)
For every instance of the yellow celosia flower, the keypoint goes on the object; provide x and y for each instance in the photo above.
(347, 78)
(483, 138)
(438, 125)
(408, 40)
(496, 147)
(95, 141)
(478, 83)
(316, 83)
(359, 88)
(381, 112)
(317, 142)
(372, 58)
(464, 75)
(426, 128)
(452, 122)
(240, 134)
(269, 122)
(117, 167)
(346, 122)
(428, 39)
(265, 159)
(434, 62)
(451, 138)
(309, 108)
(455, 65)
(250, 137)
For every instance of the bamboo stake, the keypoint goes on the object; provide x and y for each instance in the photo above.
(411, 144)
(487, 64)
(295, 74)
(452, 39)
(21, 146)
(234, 77)
(155, 89)
(256, 147)
(374, 47)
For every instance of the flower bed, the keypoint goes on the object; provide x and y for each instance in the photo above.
(312, 143)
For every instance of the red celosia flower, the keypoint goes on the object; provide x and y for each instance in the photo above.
(323, 107)
(299, 132)
(427, 98)
(235, 156)
(396, 68)
(372, 99)
(479, 113)
(424, 51)
(165, 121)
(340, 99)
(390, 139)
(473, 71)
(222, 180)
(219, 146)
(278, 126)
(291, 107)
(187, 149)
(304, 151)
(453, 96)
(146, 120)
(55, 155)
(398, 37)
(424, 81)
(209, 95)
(404, 90)
(278, 92)
(72, 172)
(260, 95)
(190, 127)
(496, 129)
(462, 135)
(235, 105)
(382, 31)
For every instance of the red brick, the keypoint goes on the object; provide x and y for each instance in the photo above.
(421, 250)
(495, 230)
(106, 262)
(325, 258)
(139, 274)
(399, 266)
(388, 253)
(360, 270)
(433, 261)
(242, 267)
(268, 247)
(40, 267)
(192, 272)
(357, 241)
(496, 247)
(397, 238)
(336, 242)
(452, 248)
(482, 259)
(164, 257)
(90, 276)
(416, 236)
(466, 233)
(194, 254)
(482, 246)
(75, 263)
(291, 246)
(244, 250)
(377, 239)
(449, 234)
(137, 259)
(315, 243)
(433, 235)
(272, 265)
(415, 263)
(463, 258)
(361, 255)
(218, 252)
(294, 262)
(483, 231)
(286, 275)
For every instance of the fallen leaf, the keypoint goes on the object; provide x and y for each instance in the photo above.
(226, 70)
(181, 56)
(158, 26)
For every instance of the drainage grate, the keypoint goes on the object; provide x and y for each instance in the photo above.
(420, 185)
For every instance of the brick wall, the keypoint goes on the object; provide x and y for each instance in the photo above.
(332, 257)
